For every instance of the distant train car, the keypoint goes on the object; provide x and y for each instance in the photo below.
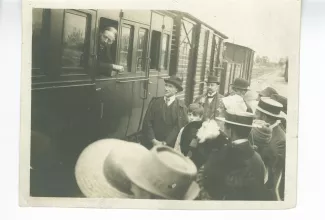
(238, 62)
(73, 106)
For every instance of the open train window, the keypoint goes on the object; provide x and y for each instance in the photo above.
(126, 47)
(39, 38)
(75, 40)
(155, 49)
(164, 52)
(105, 23)
(142, 49)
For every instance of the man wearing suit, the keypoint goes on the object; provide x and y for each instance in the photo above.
(269, 111)
(165, 116)
(211, 101)
(105, 55)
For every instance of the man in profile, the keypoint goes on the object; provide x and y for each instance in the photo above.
(105, 54)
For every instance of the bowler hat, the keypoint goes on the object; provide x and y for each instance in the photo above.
(174, 80)
(238, 118)
(240, 83)
(267, 92)
(166, 173)
(99, 170)
(212, 79)
(270, 107)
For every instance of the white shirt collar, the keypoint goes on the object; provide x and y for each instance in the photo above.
(171, 99)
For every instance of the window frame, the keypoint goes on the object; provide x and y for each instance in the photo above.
(80, 71)
(159, 70)
(132, 41)
(54, 74)
(167, 53)
(136, 27)
(37, 72)
(147, 29)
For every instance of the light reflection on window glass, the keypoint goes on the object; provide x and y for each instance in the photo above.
(126, 47)
(74, 35)
(142, 49)
(164, 52)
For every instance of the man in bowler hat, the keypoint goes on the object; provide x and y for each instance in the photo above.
(238, 90)
(165, 116)
(211, 101)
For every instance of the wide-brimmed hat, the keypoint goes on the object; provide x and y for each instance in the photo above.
(270, 107)
(100, 167)
(212, 79)
(238, 118)
(267, 92)
(166, 173)
(174, 80)
(240, 83)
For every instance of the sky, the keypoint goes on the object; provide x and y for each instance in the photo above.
(266, 26)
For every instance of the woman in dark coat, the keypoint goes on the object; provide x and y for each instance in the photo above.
(235, 171)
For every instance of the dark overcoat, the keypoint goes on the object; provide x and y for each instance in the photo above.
(235, 173)
(151, 126)
(277, 161)
(105, 60)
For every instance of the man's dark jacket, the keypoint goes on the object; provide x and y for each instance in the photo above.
(105, 60)
(162, 122)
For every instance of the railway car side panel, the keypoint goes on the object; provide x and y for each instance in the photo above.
(64, 111)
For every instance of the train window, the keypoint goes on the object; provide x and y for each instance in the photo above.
(155, 49)
(74, 39)
(142, 49)
(164, 52)
(126, 47)
(37, 40)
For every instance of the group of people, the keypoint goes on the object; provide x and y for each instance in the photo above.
(218, 148)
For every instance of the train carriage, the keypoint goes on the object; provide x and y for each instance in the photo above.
(72, 105)
(238, 62)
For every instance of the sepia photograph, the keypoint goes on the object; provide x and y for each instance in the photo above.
(162, 106)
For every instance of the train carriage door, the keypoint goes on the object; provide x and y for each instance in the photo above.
(62, 95)
(138, 79)
(112, 114)
(186, 46)
(158, 55)
(156, 73)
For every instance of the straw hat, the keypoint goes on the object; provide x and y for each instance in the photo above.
(166, 173)
(99, 169)
(270, 107)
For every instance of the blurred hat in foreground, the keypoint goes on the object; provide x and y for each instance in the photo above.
(165, 173)
(100, 168)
